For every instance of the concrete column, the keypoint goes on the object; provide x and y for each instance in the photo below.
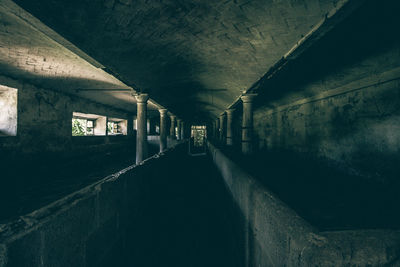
(163, 129)
(222, 128)
(179, 130)
(229, 127)
(182, 130)
(217, 129)
(172, 128)
(247, 124)
(141, 135)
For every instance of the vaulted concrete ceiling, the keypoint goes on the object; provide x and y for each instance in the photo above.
(194, 57)
(31, 52)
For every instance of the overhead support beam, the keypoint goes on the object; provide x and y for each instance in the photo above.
(247, 124)
(122, 90)
(163, 129)
(141, 135)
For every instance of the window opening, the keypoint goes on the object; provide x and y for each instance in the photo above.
(197, 144)
(8, 111)
(82, 127)
(88, 124)
(116, 126)
(112, 128)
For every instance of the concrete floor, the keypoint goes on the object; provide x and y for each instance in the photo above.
(188, 220)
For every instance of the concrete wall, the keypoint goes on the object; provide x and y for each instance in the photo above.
(88, 227)
(154, 142)
(350, 117)
(44, 122)
(276, 236)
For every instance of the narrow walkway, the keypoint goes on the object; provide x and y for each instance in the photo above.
(188, 220)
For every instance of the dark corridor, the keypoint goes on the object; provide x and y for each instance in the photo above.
(186, 219)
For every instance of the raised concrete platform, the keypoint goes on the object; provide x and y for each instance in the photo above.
(86, 228)
(172, 210)
(276, 236)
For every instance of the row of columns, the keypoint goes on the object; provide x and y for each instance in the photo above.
(163, 129)
(247, 125)
(141, 134)
(177, 127)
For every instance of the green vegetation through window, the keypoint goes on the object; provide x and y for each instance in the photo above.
(198, 133)
(82, 127)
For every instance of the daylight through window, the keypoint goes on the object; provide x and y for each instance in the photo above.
(116, 126)
(8, 111)
(88, 124)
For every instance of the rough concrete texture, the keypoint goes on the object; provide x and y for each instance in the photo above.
(31, 52)
(8, 111)
(44, 119)
(276, 236)
(153, 214)
(193, 56)
(85, 228)
(339, 101)
(354, 121)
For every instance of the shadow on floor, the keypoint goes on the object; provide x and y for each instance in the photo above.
(187, 219)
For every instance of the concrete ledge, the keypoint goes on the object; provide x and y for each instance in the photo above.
(84, 228)
(277, 236)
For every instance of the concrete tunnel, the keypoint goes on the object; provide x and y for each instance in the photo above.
(197, 133)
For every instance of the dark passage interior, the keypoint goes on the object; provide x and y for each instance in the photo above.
(246, 133)
(186, 219)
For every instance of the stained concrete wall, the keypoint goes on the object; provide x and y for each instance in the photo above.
(276, 236)
(350, 117)
(89, 227)
(44, 123)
